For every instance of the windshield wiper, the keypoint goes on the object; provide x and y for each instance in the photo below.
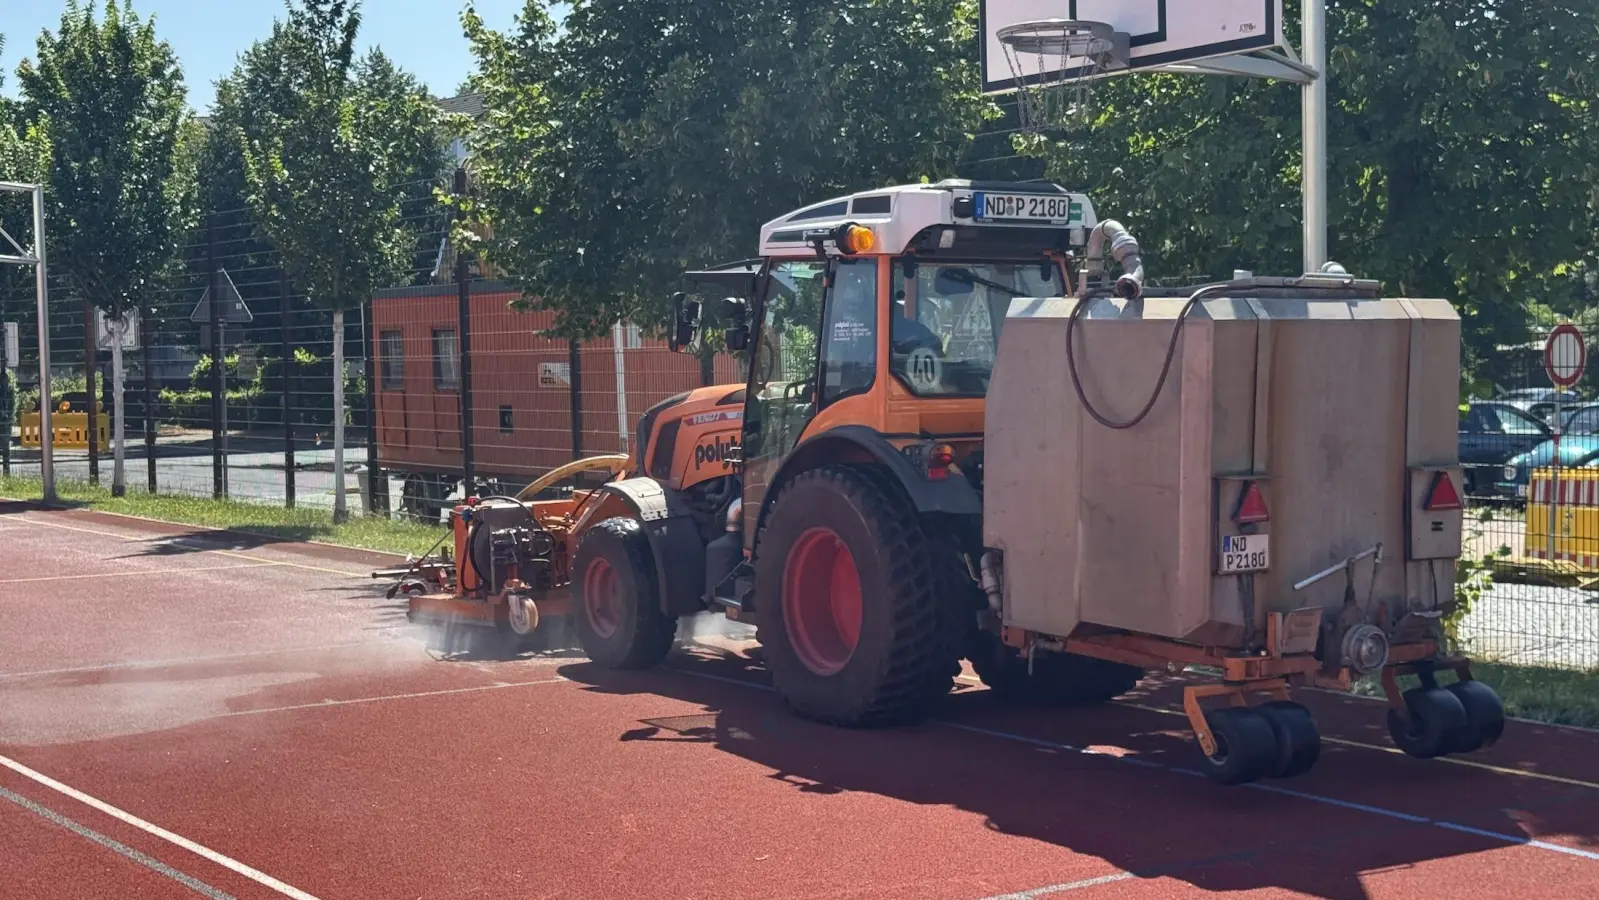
(966, 276)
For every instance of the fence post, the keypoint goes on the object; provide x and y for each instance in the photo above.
(575, 363)
(91, 362)
(463, 343)
(218, 358)
(288, 388)
(149, 399)
(377, 484)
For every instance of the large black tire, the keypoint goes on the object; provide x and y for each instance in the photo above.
(1298, 739)
(1435, 717)
(863, 642)
(1058, 679)
(1485, 717)
(1246, 746)
(616, 600)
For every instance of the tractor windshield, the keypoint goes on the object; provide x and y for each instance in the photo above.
(947, 317)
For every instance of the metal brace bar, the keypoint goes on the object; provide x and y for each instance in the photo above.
(1375, 549)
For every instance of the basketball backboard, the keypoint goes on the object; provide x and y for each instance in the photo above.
(1227, 37)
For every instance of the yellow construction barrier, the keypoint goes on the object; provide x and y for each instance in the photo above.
(1573, 557)
(68, 430)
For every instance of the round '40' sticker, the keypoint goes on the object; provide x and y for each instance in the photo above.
(923, 369)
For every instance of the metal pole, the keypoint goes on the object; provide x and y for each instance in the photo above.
(47, 471)
(288, 404)
(1554, 475)
(91, 368)
(618, 339)
(1314, 134)
(575, 369)
(463, 284)
(218, 361)
(377, 482)
(149, 399)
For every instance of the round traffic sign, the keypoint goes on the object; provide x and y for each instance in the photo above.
(1565, 355)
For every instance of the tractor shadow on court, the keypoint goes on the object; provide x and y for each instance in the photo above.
(1017, 768)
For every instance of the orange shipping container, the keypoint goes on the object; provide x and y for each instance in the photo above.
(522, 384)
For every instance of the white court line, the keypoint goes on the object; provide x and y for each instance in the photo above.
(183, 660)
(131, 574)
(1513, 839)
(327, 703)
(149, 862)
(227, 862)
(189, 537)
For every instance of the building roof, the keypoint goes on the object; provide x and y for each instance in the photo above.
(469, 104)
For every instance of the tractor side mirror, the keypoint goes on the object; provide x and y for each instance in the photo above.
(685, 322)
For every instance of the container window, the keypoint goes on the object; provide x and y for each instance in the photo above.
(446, 360)
(505, 419)
(391, 353)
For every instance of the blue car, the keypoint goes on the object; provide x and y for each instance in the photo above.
(1579, 448)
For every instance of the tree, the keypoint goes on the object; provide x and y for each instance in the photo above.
(22, 159)
(326, 169)
(1464, 159)
(111, 96)
(651, 135)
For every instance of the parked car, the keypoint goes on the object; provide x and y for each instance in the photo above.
(1541, 401)
(1492, 432)
(1579, 448)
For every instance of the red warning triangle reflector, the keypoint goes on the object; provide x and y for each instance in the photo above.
(1251, 506)
(1442, 495)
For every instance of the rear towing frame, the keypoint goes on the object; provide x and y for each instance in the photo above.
(1247, 725)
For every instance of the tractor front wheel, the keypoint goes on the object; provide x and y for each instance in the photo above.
(616, 605)
(851, 628)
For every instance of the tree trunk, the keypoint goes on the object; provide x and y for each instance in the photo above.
(118, 326)
(340, 513)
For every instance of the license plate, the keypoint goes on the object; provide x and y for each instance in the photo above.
(1026, 207)
(1521, 492)
(1245, 553)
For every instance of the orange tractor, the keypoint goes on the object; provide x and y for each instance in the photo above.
(963, 437)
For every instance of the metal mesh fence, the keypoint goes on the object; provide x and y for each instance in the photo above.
(1513, 452)
(536, 403)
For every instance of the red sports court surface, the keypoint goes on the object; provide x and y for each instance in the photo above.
(191, 715)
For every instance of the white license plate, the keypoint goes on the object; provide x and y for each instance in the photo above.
(1521, 492)
(1245, 553)
(1025, 207)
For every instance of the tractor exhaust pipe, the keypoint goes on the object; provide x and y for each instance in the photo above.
(1124, 249)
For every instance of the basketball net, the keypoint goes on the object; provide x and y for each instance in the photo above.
(1033, 49)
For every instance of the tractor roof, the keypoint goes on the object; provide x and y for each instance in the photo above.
(904, 215)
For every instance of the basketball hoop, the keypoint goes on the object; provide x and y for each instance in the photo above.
(1042, 53)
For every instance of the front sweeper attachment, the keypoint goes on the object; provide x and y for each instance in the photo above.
(1260, 479)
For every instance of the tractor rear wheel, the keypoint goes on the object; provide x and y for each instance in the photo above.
(616, 603)
(851, 630)
(1057, 679)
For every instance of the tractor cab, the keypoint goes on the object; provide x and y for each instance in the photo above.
(871, 322)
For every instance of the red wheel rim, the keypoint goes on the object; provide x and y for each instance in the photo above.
(822, 601)
(601, 598)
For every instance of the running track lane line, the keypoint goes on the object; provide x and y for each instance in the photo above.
(1345, 742)
(148, 862)
(259, 565)
(323, 704)
(1513, 839)
(1454, 761)
(183, 660)
(189, 537)
(227, 862)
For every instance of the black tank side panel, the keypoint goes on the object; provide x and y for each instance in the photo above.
(665, 444)
(646, 423)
